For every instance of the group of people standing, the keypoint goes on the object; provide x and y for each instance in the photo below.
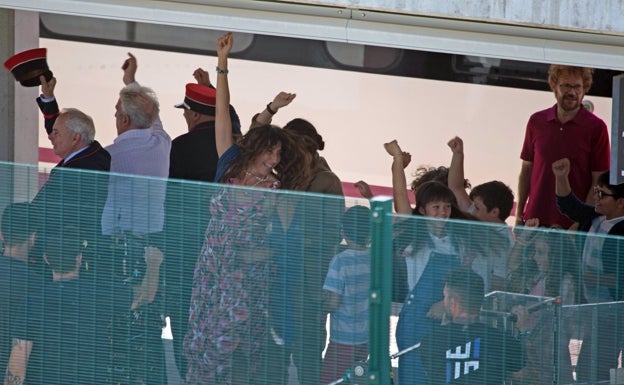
(248, 274)
(227, 278)
(565, 155)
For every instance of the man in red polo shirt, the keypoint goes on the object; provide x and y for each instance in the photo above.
(566, 130)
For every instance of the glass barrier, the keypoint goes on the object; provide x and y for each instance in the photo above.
(254, 286)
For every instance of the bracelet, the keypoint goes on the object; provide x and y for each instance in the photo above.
(524, 334)
(220, 71)
(270, 110)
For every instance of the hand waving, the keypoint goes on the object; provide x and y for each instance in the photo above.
(47, 87)
(456, 145)
(282, 100)
(224, 45)
(202, 77)
(129, 68)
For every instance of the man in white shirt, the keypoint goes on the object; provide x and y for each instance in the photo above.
(135, 205)
(133, 215)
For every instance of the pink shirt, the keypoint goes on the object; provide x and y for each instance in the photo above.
(584, 140)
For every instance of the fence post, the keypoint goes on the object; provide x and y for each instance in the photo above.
(380, 291)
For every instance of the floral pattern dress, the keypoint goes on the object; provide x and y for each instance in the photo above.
(230, 290)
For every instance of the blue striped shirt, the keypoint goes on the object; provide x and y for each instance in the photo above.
(349, 277)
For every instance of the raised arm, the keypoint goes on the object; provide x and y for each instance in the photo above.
(202, 77)
(456, 174)
(129, 68)
(561, 169)
(47, 103)
(223, 122)
(399, 183)
(364, 189)
(266, 116)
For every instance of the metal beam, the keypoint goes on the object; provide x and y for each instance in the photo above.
(353, 26)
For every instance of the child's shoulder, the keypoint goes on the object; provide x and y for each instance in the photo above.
(352, 253)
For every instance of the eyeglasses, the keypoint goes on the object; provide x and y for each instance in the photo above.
(601, 194)
(570, 87)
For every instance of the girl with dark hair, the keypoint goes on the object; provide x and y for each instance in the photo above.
(433, 251)
(425, 250)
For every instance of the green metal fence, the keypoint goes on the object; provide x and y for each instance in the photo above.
(247, 278)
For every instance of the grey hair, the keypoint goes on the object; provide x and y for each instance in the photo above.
(80, 123)
(139, 104)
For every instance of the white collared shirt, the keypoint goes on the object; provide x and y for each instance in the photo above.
(417, 262)
(68, 158)
(136, 204)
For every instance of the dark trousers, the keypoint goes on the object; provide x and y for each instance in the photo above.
(309, 343)
(138, 352)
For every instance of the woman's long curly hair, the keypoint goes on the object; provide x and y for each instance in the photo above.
(291, 170)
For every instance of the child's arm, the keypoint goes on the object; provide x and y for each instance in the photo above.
(331, 301)
(456, 174)
(400, 160)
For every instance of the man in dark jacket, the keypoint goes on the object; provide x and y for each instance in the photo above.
(603, 276)
(79, 195)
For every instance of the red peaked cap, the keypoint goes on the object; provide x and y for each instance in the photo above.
(27, 66)
(202, 99)
(199, 98)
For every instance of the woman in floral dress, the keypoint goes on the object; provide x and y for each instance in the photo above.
(227, 320)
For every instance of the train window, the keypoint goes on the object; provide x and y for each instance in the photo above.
(86, 27)
(147, 35)
(362, 56)
(312, 53)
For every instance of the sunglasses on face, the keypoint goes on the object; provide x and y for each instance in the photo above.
(601, 194)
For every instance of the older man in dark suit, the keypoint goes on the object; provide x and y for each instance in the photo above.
(79, 195)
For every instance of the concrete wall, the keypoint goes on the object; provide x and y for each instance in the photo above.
(19, 116)
(602, 16)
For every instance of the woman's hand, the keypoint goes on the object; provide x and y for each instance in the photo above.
(224, 45)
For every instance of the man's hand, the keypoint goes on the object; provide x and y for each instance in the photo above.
(129, 68)
(47, 87)
(224, 45)
(456, 145)
(364, 189)
(202, 77)
(532, 222)
(561, 167)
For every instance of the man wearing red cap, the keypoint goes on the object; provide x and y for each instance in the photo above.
(194, 154)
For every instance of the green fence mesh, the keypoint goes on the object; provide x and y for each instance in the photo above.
(281, 287)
